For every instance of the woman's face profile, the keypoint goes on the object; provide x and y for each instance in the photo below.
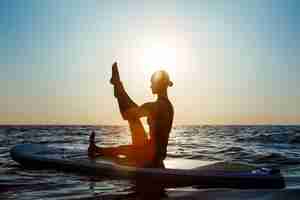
(154, 87)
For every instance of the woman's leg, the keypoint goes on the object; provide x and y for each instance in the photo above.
(138, 134)
(130, 151)
(137, 154)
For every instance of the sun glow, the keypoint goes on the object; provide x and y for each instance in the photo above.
(151, 53)
(158, 57)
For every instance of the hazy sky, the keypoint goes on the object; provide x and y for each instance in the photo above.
(232, 62)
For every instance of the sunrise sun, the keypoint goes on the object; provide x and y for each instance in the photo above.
(157, 57)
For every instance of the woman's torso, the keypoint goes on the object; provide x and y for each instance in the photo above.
(160, 124)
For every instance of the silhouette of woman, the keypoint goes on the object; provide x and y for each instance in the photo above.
(144, 151)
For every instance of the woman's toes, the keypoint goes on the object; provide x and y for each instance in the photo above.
(92, 138)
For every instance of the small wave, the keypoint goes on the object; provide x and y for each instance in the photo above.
(6, 187)
(275, 158)
(295, 139)
(266, 138)
(231, 149)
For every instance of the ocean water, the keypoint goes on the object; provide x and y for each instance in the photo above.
(277, 146)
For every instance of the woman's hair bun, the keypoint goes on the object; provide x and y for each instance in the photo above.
(163, 77)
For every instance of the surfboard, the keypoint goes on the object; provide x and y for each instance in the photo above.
(177, 172)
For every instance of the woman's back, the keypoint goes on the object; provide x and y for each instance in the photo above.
(160, 123)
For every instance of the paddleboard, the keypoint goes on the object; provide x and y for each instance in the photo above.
(177, 172)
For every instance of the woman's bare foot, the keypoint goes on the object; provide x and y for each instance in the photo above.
(115, 77)
(92, 150)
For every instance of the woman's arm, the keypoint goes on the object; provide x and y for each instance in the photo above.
(144, 110)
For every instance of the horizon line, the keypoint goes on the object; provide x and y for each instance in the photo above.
(208, 124)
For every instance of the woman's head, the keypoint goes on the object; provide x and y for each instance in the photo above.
(160, 81)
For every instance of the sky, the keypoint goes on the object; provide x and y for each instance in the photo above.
(232, 62)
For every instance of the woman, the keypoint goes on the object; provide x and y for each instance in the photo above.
(146, 152)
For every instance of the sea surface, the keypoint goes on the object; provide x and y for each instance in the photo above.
(277, 146)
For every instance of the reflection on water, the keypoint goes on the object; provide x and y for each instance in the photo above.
(260, 145)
